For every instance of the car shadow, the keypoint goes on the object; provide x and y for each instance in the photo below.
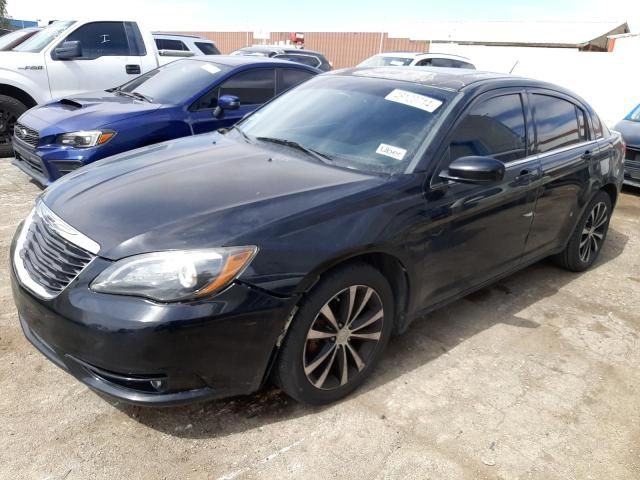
(428, 338)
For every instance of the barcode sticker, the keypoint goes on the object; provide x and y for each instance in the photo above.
(415, 100)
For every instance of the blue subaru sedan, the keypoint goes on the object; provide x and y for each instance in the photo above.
(185, 97)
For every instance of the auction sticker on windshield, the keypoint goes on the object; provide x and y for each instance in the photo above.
(391, 151)
(415, 100)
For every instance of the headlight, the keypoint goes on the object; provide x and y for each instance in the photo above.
(86, 139)
(175, 275)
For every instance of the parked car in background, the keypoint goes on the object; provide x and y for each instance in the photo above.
(68, 57)
(15, 38)
(292, 246)
(299, 55)
(630, 130)
(171, 46)
(416, 59)
(185, 97)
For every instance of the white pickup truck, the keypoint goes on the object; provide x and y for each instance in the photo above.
(68, 57)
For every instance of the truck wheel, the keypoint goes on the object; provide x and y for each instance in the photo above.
(10, 110)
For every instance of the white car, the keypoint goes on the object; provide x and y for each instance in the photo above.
(417, 59)
(176, 45)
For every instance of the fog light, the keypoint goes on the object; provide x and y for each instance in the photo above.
(157, 384)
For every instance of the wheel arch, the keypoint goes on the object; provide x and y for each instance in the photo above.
(612, 191)
(18, 94)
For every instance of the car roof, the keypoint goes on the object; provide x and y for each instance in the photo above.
(455, 79)
(283, 48)
(422, 55)
(180, 35)
(238, 60)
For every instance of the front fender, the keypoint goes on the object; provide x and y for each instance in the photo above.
(32, 82)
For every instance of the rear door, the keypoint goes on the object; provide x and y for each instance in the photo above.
(476, 232)
(253, 87)
(567, 152)
(109, 58)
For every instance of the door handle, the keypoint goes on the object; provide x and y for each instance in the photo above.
(524, 177)
(133, 69)
(587, 155)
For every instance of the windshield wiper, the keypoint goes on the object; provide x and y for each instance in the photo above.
(136, 95)
(290, 143)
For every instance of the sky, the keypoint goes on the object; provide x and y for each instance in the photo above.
(325, 15)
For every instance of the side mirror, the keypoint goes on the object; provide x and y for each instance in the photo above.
(226, 102)
(474, 169)
(69, 50)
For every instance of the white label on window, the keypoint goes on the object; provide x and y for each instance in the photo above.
(391, 151)
(396, 63)
(210, 68)
(416, 100)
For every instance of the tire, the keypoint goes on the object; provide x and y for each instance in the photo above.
(357, 292)
(589, 236)
(10, 110)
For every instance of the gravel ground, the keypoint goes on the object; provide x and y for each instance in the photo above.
(536, 377)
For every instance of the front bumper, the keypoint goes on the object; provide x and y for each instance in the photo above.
(47, 164)
(119, 345)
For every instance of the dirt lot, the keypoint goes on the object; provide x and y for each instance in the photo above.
(537, 377)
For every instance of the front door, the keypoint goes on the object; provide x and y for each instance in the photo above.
(474, 233)
(106, 61)
(253, 87)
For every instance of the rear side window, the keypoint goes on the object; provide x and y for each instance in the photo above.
(494, 128)
(169, 44)
(100, 39)
(556, 122)
(252, 87)
(290, 77)
(207, 48)
(599, 129)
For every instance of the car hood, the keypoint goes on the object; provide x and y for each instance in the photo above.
(197, 192)
(84, 112)
(630, 132)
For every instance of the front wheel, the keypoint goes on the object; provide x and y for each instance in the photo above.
(10, 111)
(588, 238)
(337, 336)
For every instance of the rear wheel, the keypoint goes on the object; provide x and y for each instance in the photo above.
(337, 336)
(10, 110)
(588, 238)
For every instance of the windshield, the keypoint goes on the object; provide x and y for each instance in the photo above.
(44, 37)
(368, 124)
(384, 61)
(176, 82)
(11, 37)
(634, 116)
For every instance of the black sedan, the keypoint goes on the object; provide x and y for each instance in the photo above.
(291, 247)
(630, 130)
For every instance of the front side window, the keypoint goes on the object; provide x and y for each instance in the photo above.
(556, 122)
(368, 124)
(100, 39)
(252, 87)
(44, 37)
(493, 128)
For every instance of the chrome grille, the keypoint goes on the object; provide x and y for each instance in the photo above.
(46, 260)
(26, 134)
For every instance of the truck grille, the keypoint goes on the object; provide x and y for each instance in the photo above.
(46, 260)
(26, 134)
